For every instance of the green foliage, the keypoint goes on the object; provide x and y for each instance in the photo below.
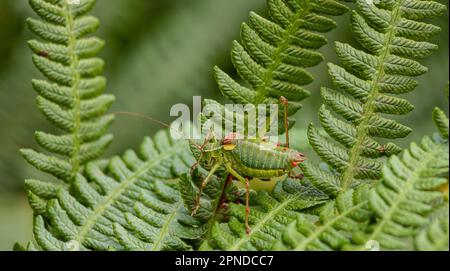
(16, 69)
(122, 203)
(270, 214)
(393, 214)
(407, 193)
(273, 53)
(71, 98)
(272, 58)
(143, 200)
(391, 34)
(331, 229)
(441, 120)
(434, 237)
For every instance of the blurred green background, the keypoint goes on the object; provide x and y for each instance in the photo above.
(158, 53)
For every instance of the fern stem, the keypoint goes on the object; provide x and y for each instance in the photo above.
(76, 82)
(261, 91)
(157, 245)
(355, 151)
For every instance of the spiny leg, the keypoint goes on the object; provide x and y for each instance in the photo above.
(247, 199)
(285, 102)
(203, 185)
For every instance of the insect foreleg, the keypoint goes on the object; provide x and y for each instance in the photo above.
(247, 196)
(203, 185)
(202, 152)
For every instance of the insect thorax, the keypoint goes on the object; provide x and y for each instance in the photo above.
(209, 153)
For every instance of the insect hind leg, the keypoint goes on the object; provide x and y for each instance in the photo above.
(285, 103)
(247, 196)
(247, 205)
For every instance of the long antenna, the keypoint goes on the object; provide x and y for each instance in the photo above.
(139, 115)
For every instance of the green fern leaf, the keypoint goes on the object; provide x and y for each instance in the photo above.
(268, 218)
(441, 120)
(391, 34)
(407, 193)
(29, 247)
(71, 98)
(332, 229)
(434, 237)
(274, 53)
(128, 203)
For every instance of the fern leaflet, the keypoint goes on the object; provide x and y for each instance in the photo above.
(391, 35)
(273, 53)
(434, 237)
(122, 203)
(337, 220)
(407, 193)
(441, 120)
(71, 98)
(268, 218)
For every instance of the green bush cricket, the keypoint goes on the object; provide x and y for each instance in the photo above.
(243, 159)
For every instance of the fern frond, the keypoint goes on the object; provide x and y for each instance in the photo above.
(391, 34)
(269, 216)
(434, 237)
(332, 229)
(407, 193)
(441, 120)
(274, 52)
(126, 203)
(29, 247)
(71, 98)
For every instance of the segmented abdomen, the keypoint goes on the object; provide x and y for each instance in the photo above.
(258, 157)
